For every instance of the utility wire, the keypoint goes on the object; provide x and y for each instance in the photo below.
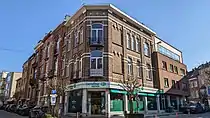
(12, 50)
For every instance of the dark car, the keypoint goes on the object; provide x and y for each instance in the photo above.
(6, 107)
(38, 111)
(17, 109)
(12, 107)
(24, 110)
(193, 108)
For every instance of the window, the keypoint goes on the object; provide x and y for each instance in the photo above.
(168, 53)
(138, 69)
(128, 41)
(182, 72)
(196, 94)
(76, 41)
(173, 84)
(166, 84)
(137, 45)
(57, 45)
(67, 71)
(184, 86)
(47, 66)
(96, 34)
(176, 69)
(130, 66)
(81, 35)
(146, 49)
(133, 43)
(164, 64)
(80, 68)
(149, 72)
(56, 66)
(96, 60)
(195, 84)
(171, 68)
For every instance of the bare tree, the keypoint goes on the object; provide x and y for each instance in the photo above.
(131, 86)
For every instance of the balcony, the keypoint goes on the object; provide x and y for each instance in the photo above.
(96, 42)
(96, 72)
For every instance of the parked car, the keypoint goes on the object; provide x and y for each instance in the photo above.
(12, 107)
(193, 108)
(17, 109)
(24, 110)
(38, 112)
(6, 107)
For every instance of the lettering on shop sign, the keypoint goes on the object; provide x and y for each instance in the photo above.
(97, 84)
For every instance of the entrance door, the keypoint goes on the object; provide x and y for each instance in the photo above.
(96, 102)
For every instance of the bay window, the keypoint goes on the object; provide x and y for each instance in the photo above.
(97, 34)
(96, 63)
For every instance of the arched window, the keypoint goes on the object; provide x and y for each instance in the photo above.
(130, 66)
(133, 43)
(96, 33)
(128, 41)
(146, 49)
(137, 45)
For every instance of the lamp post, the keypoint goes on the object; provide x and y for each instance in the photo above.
(204, 97)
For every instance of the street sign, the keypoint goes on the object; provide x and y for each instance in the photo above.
(53, 91)
(53, 99)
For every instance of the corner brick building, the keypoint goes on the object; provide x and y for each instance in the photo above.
(88, 56)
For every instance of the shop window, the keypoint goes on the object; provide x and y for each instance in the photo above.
(138, 104)
(75, 101)
(116, 102)
(151, 103)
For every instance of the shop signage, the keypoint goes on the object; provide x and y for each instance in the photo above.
(53, 99)
(97, 84)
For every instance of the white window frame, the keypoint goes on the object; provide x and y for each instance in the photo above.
(96, 62)
(146, 49)
(132, 42)
(129, 66)
(128, 40)
(137, 45)
(97, 30)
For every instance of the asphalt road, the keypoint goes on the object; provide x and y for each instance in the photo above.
(5, 114)
(202, 115)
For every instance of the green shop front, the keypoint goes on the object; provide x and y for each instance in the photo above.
(108, 98)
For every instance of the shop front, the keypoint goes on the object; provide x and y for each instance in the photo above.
(107, 98)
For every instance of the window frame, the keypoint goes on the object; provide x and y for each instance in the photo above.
(146, 49)
(166, 80)
(164, 65)
(129, 66)
(171, 68)
(128, 38)
(97, 33)
(173, 84)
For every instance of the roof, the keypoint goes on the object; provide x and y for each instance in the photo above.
(113, 9)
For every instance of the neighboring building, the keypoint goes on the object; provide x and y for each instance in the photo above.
(198, 79)
(10, 84)
(3, 76)
(169, 73)
(20, 89)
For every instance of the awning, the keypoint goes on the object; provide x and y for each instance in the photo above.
(125, 92)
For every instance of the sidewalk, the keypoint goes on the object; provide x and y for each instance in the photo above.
(146, 115)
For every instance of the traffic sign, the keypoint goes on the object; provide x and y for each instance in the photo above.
(53, 91)
(53, 98)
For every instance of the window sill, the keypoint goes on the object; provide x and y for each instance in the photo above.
(133, 50)
(166, 86)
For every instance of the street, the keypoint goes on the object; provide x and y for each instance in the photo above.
(5, 114)
(202, 115)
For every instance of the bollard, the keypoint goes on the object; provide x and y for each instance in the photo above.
(156, 116)
(77, 115)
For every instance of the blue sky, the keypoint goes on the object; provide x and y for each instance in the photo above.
(182, 23)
